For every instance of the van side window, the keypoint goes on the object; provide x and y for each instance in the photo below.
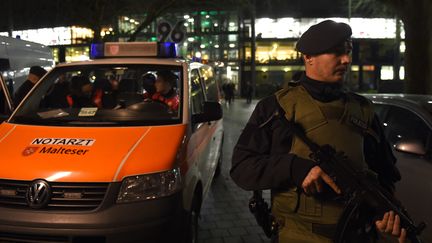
(197, 94)
(210, 84)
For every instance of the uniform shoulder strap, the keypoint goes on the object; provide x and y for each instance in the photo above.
(277, 111)
(367, 110)
(287, 99)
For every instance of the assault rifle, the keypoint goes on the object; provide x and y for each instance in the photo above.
(357, 188)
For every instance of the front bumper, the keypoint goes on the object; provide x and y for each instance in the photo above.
(147, 221)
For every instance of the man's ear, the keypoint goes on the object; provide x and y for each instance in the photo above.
(307, 59)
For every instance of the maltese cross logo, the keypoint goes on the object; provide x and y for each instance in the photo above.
(29, 151)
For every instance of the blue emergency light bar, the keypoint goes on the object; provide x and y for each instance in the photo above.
(133, 49)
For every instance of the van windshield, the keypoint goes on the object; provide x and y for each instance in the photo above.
(105, 95)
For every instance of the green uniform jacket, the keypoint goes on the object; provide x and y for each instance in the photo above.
(260, 160)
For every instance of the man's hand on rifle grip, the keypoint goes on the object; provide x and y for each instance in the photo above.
(313, 182)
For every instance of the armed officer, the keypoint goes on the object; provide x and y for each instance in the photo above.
(268, 155)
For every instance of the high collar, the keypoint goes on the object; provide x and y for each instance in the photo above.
(322, 91)
(170, 93)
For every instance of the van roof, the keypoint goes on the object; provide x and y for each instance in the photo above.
(128, 60)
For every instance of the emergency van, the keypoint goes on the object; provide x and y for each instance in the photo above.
(86, 157)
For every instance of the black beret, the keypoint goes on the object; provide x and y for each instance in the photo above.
(38, 71)
(322, 37)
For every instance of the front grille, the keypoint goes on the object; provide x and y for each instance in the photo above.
(10, 237)
(65, 196)
(27, 238)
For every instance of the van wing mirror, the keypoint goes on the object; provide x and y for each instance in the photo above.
(6, 103)
(412, 146)
(212, 111)
(4, 64)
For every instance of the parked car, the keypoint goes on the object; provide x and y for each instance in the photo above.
(96, 153)
(407, 122)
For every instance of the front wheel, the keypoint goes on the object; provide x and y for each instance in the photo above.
(191, 226)
(220, 159)
(219, 165)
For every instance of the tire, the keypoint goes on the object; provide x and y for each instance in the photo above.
(219, 165)
(219, 162)
(191, 226)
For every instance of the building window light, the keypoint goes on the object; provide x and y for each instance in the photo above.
(386, 73)
(402, 47)
(402, 73)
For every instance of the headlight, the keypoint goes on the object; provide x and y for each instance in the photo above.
(151, 186)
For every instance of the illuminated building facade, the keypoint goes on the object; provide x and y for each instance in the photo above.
(209, 36)
(223, 39)
(376, 53)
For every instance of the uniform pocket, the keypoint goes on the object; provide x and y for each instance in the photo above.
(310, 209)
(285, 202)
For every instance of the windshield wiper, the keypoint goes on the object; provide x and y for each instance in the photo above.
(38, 121)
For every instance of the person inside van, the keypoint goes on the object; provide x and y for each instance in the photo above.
(103, 96)
(35, 74)
(56, 96)
(148, 82)
(81, 92)
(165, 91)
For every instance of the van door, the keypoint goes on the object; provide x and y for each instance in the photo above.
(200, 131)
(212, 94)
(6, 105)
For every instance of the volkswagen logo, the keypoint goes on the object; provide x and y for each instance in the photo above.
(38, 194)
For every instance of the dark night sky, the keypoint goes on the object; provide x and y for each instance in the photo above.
(49, 13)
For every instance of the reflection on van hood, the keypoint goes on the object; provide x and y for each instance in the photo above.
(86, 154)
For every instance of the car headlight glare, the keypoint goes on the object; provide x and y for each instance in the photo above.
(150, 186)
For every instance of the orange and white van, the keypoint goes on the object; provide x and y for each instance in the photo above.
(88, 157)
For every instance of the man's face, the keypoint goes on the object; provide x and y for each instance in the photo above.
(86, 89)
(330, 66)
(162, 86)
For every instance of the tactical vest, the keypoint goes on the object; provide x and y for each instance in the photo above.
(340, 123)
